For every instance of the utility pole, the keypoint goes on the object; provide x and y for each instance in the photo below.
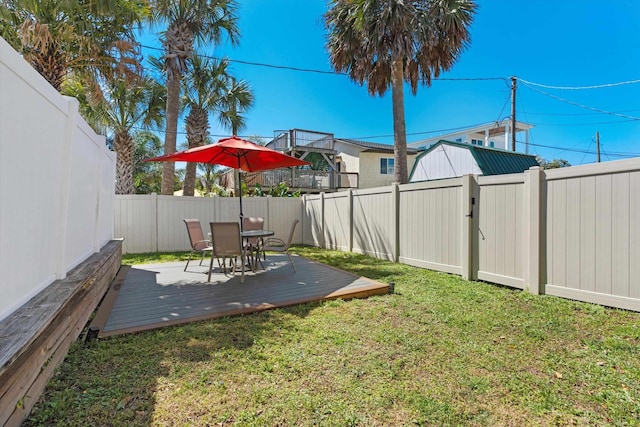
(513, 113)
(598, 145)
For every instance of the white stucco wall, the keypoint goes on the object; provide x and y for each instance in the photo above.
(349, 163)
(370, 175)
(367, 165)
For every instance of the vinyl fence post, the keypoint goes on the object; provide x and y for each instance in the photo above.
(350, 196)
(107, 162)
(69, 135)
(533, 281)
(322, 220)
(395, 194)
(267, 217)
(153, 223)
(303, 221)
(468, 202)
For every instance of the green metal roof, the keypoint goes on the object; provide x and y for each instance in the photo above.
(491, 161)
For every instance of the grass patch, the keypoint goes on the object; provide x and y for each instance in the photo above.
(440, 351)
(155, 257)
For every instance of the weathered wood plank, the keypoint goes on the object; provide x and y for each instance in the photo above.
(35, 339)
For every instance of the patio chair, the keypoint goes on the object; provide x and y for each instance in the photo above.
(274, 244)
(197, 240)
(227, 243)
(252, 244)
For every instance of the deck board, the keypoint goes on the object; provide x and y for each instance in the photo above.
(156, 295)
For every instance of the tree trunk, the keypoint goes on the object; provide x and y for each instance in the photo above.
(50, 64)
(197, 124)
(124, 164)
(399, 128)
(170, 137)
(188, 188)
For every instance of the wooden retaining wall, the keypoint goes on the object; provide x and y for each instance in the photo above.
(34, 340)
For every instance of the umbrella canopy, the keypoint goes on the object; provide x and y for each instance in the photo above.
(235, 153)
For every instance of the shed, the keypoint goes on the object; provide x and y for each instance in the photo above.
(447, 159)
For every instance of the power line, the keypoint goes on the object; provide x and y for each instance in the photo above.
(258, 64)
(614, 122)
(311, 70)
(520, 99)
(559, 148)
(525, 82)
(582, 105)
(586, 152)
(617, 154)
(225, 135)
(418, 133)
(506, 101)
(606, 85)
(605, 153)
(576, 114)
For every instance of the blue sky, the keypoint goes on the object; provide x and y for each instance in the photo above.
(568, 43)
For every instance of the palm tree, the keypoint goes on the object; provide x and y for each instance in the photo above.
(208, 178)
(147, 176)
(237, 100)
(62, 37)
(387, 42)
(209, 87)
(121, 105)
(188, 22)
(202, 92)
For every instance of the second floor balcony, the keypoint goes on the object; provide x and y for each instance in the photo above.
(305, 180)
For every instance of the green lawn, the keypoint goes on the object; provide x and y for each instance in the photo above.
(440, 351)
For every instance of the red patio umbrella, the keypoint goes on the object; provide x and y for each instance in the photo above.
(235, 153)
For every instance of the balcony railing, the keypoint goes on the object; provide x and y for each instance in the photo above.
(284, 140)
(305, 180)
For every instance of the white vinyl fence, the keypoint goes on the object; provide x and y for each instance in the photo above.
(593, 233)
(500, 230)
(570, 232)
(56, 181)
(152, 223)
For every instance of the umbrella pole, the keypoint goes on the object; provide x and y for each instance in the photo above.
(240, 195)
(241, 214)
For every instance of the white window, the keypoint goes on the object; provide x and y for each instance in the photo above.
(387, 167)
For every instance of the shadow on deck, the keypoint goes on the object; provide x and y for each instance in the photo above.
(151, 296)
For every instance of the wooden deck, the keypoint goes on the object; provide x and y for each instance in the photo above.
(151, 296)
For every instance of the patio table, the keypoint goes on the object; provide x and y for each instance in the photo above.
(259, 234)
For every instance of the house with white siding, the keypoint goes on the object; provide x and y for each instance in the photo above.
(493, 135)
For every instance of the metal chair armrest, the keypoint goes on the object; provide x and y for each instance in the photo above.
(274, 241)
